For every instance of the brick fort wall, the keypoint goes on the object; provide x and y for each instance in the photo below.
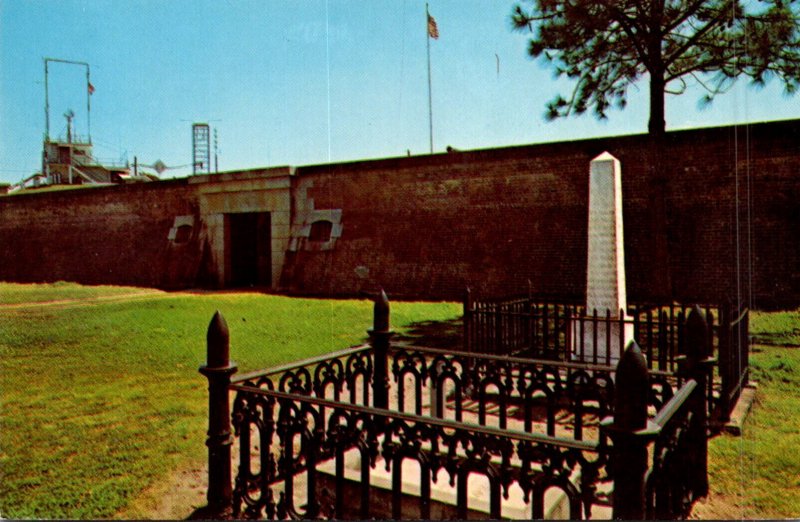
(498, 219)
(105, 235)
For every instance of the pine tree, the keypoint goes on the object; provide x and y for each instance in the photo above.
(605, 46)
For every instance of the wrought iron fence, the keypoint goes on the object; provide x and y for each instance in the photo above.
(333, 437)
(467, 386)
(734, 359)
(300, 434)
(530, 327)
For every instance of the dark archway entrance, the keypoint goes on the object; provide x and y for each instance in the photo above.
(248, 252)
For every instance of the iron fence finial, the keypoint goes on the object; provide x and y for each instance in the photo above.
(380, 321)
(218, 371)
(631, 390)
(218, 342)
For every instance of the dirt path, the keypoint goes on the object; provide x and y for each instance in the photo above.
(172, 499)
(89, 301)
(721, 507)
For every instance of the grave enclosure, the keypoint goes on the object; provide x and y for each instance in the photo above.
(385, 431)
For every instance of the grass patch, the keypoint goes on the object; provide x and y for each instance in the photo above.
(100, 402)
(776, 328)
(759, 472)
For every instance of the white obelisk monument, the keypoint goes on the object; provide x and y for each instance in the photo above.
(605, 270)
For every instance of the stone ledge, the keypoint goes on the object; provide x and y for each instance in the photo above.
(556, 501)
(739, 415)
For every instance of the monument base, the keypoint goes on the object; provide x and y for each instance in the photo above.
(600, 342)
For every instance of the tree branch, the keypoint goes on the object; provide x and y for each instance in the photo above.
(695, 37)
(627, 25)
(679, 91)
(687, 14)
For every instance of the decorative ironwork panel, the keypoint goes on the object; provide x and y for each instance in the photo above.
(297, 434)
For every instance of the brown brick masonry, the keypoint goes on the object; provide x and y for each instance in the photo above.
(427, 226)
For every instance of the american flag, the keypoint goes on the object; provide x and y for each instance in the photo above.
(433, 31)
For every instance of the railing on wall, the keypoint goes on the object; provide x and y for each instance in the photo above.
(334, 436)
(531, 327)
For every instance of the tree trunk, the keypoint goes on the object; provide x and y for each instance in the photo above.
(655, 66)
(660, 276)
(656, 127)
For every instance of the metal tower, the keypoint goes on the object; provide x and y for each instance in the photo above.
(201, 149)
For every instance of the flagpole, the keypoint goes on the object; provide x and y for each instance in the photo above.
(430, 104)
(88, 104)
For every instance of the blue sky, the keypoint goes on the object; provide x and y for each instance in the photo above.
(297, 83)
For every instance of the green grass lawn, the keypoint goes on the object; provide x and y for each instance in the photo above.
(100, 402)
(759, 473)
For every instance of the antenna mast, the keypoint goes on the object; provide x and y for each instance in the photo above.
(89, 90)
